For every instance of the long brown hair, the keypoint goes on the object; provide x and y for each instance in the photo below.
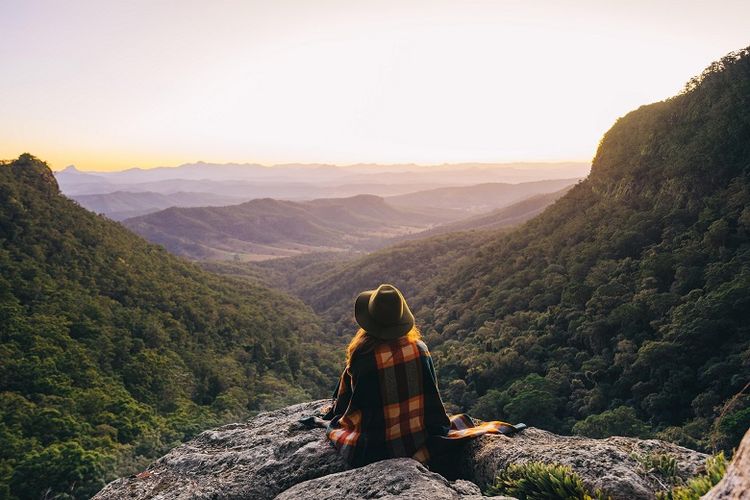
(362, 342)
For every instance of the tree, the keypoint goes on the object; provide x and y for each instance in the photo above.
(621, 421)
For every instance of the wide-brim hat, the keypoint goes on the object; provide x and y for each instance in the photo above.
(383, 313)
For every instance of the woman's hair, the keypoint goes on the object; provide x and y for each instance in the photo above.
(361, 342)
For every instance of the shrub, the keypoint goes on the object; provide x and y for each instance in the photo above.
(698, 486)
(621, 421)
(658, 463)
(541, 481)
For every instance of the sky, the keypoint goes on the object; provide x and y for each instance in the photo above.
(108, 85)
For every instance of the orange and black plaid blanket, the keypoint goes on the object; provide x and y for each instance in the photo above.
(387, 405)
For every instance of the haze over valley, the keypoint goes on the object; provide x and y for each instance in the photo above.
(204, 184)
(267, 228)
(283, 214)
(560, 191)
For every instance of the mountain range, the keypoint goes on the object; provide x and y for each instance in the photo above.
(505, 217)
(121, 205)
(134, 192)
(322, 174)
(271, 228)
(478, 198)
(268, 228)
(622, 309)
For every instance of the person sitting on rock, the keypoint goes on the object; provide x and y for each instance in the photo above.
(387, 404)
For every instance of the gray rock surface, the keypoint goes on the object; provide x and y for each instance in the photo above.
(272, 454)
(254, 460)
(608, 464)
(396, 478)
(736, 482)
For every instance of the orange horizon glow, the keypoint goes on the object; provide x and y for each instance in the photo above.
(115, 85)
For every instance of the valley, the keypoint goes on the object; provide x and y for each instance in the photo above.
(622, 301)
(267, 228)
(615, 302)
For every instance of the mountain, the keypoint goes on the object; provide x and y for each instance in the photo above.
(430, 253)
(478, 198)
(306, 182)
(323, 174)
(121, 205)
(506, 217)
(267, 228)
(73, 180)
(134, 192)
(112, 350)
(72, 175)
(623, 308)
(289, 189)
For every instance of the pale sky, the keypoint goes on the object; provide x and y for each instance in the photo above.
(114, 84)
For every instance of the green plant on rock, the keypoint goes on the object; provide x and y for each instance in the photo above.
(542, 481)
(661, 464)
(698, 486)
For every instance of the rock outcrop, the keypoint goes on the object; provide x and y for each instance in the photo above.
(735, 485)
(614, 465)
(273, 455)
(257, 459)
(397, 478)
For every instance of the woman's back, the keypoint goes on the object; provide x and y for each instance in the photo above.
(388, 403)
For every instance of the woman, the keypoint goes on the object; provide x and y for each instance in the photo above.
(387, 402)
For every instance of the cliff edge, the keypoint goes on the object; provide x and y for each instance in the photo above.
(273, 456)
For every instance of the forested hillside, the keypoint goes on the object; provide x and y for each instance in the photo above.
(266, 227)
(507, 217)
(479, 198)
(625, 307)
(121, 205)
(331, 289)
(112, 351)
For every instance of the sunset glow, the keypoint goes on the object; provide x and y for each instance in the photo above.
(111, 85)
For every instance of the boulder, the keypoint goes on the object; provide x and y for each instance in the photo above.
(396, 478)
(611, 464)
(272, 454)
(735, 484)
(257, 460)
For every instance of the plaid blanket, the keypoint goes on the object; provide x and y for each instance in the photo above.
(387, 405)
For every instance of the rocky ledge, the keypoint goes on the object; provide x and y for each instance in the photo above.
(273, 456)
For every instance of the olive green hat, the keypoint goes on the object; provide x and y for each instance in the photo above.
(383, 313)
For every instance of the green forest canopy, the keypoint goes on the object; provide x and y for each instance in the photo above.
(623, 309)
(112, 351)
